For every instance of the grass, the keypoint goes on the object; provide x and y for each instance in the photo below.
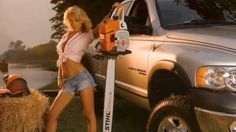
(51, 86)
(126, 117)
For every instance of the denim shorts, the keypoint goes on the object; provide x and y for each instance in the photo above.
(79, 82)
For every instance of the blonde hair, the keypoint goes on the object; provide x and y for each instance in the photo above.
(79, 14)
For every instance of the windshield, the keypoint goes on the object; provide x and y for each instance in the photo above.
(186, 13)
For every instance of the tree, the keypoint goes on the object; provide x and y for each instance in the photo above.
(18, 45)
(43, 52)
(96, 10)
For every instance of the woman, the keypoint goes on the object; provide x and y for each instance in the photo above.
(72, 75)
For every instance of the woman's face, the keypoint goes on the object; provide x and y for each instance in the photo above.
(74, 24)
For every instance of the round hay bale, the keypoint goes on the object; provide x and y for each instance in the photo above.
(23, 114)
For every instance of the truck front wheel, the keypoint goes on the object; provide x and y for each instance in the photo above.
(174, 114)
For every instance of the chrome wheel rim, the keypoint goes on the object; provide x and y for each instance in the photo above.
(172, 124)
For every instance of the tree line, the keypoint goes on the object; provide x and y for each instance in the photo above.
(17, 52)
(96, 10)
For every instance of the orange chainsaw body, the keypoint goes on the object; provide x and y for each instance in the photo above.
(107, 30)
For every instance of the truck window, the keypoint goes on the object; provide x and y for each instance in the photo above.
(126, 6)
(138, 19)
(192, 13)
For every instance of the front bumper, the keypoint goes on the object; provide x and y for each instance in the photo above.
(215, 111)
(211, 121)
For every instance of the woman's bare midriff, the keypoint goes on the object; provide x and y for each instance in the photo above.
(70, 68)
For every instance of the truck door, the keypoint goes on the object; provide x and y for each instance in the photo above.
(131, 70)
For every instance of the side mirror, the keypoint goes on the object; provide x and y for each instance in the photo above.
(137, 25)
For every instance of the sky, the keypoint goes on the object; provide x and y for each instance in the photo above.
(25, 20)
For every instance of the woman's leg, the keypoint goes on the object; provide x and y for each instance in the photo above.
(60, 102)
(87, 98)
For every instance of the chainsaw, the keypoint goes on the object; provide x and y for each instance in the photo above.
(113, 42)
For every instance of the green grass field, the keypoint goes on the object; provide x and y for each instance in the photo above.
(126, 117)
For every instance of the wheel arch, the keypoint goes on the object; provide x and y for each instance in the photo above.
(166, 69)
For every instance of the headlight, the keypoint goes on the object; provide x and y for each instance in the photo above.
(233, 127)
(217, 78)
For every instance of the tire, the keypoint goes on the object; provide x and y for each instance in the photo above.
(174, 114)
(162, 87)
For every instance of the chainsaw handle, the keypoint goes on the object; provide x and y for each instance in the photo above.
(118, 8)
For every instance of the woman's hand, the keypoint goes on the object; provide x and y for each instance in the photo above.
(117, 5)
(59, 84)
(59, 79)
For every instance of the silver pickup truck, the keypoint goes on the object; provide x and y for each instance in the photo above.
(182, 66)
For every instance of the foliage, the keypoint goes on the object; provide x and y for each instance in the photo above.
(18, 45)
(96, 9)
(18, 53)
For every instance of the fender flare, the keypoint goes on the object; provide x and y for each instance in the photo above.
(169, 66)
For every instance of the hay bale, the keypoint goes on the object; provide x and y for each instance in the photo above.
(23, 114)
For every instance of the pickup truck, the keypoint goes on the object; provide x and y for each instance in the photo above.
(183, 64)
